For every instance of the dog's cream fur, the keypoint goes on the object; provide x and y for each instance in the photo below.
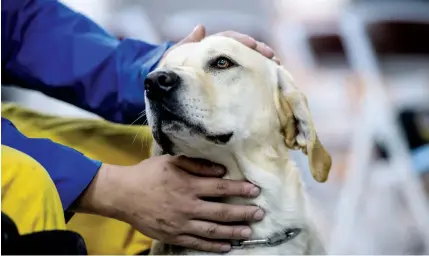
(268, 115)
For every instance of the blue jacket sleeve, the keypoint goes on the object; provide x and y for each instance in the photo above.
(70, 170)
(50, 48)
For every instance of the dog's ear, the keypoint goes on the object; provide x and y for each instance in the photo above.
(298, 127)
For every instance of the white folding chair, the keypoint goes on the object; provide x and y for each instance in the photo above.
(376, 121)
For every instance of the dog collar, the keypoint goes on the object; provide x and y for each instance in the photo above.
(274, 240)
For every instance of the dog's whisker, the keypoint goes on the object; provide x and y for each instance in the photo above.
(141, 114)
(135, 137)
(145, 143)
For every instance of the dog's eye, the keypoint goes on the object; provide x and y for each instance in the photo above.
(222, 63)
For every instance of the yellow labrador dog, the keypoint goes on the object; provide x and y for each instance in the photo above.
(221, 101)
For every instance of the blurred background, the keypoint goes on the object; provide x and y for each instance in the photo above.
(364, 66)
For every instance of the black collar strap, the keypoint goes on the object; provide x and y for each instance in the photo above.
(274, 240)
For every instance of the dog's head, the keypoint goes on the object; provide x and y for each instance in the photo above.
(219, 93)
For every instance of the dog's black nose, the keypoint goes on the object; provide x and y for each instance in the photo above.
(158, 84)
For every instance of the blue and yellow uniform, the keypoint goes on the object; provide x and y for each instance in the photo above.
(52, 49)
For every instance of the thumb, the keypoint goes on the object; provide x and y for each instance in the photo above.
(196, 35)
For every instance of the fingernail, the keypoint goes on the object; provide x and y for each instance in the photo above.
(220, 169)
(225, 248)
(255, 191)
(246, 233)
(196, 27)
(259, 214)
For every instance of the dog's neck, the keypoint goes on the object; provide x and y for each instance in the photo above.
(282, 196)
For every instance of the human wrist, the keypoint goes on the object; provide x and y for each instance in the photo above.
(101, 196)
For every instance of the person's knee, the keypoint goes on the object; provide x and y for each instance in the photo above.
(29, 196)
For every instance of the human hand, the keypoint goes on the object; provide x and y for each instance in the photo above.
(163, 201)
(199, 33)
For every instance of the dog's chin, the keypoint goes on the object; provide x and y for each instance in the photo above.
(170, 125)
(173, 129)
(163, 141)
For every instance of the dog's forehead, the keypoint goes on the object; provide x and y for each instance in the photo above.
(210, 46)
(221, 43)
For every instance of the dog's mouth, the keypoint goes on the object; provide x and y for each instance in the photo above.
(170, 121)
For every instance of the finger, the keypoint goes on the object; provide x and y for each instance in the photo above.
(264, 50)
(199, 167)
(196, 35)
(222, 212)
(276, 60)
(217, 231)
(201, 244)
(242, 38)
(216, 187)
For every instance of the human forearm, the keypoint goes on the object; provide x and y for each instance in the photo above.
(52, 49)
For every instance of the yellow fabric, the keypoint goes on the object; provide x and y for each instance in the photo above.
(29, 196)
(101, 140)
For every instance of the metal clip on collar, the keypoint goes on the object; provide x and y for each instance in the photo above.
(274, 240)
